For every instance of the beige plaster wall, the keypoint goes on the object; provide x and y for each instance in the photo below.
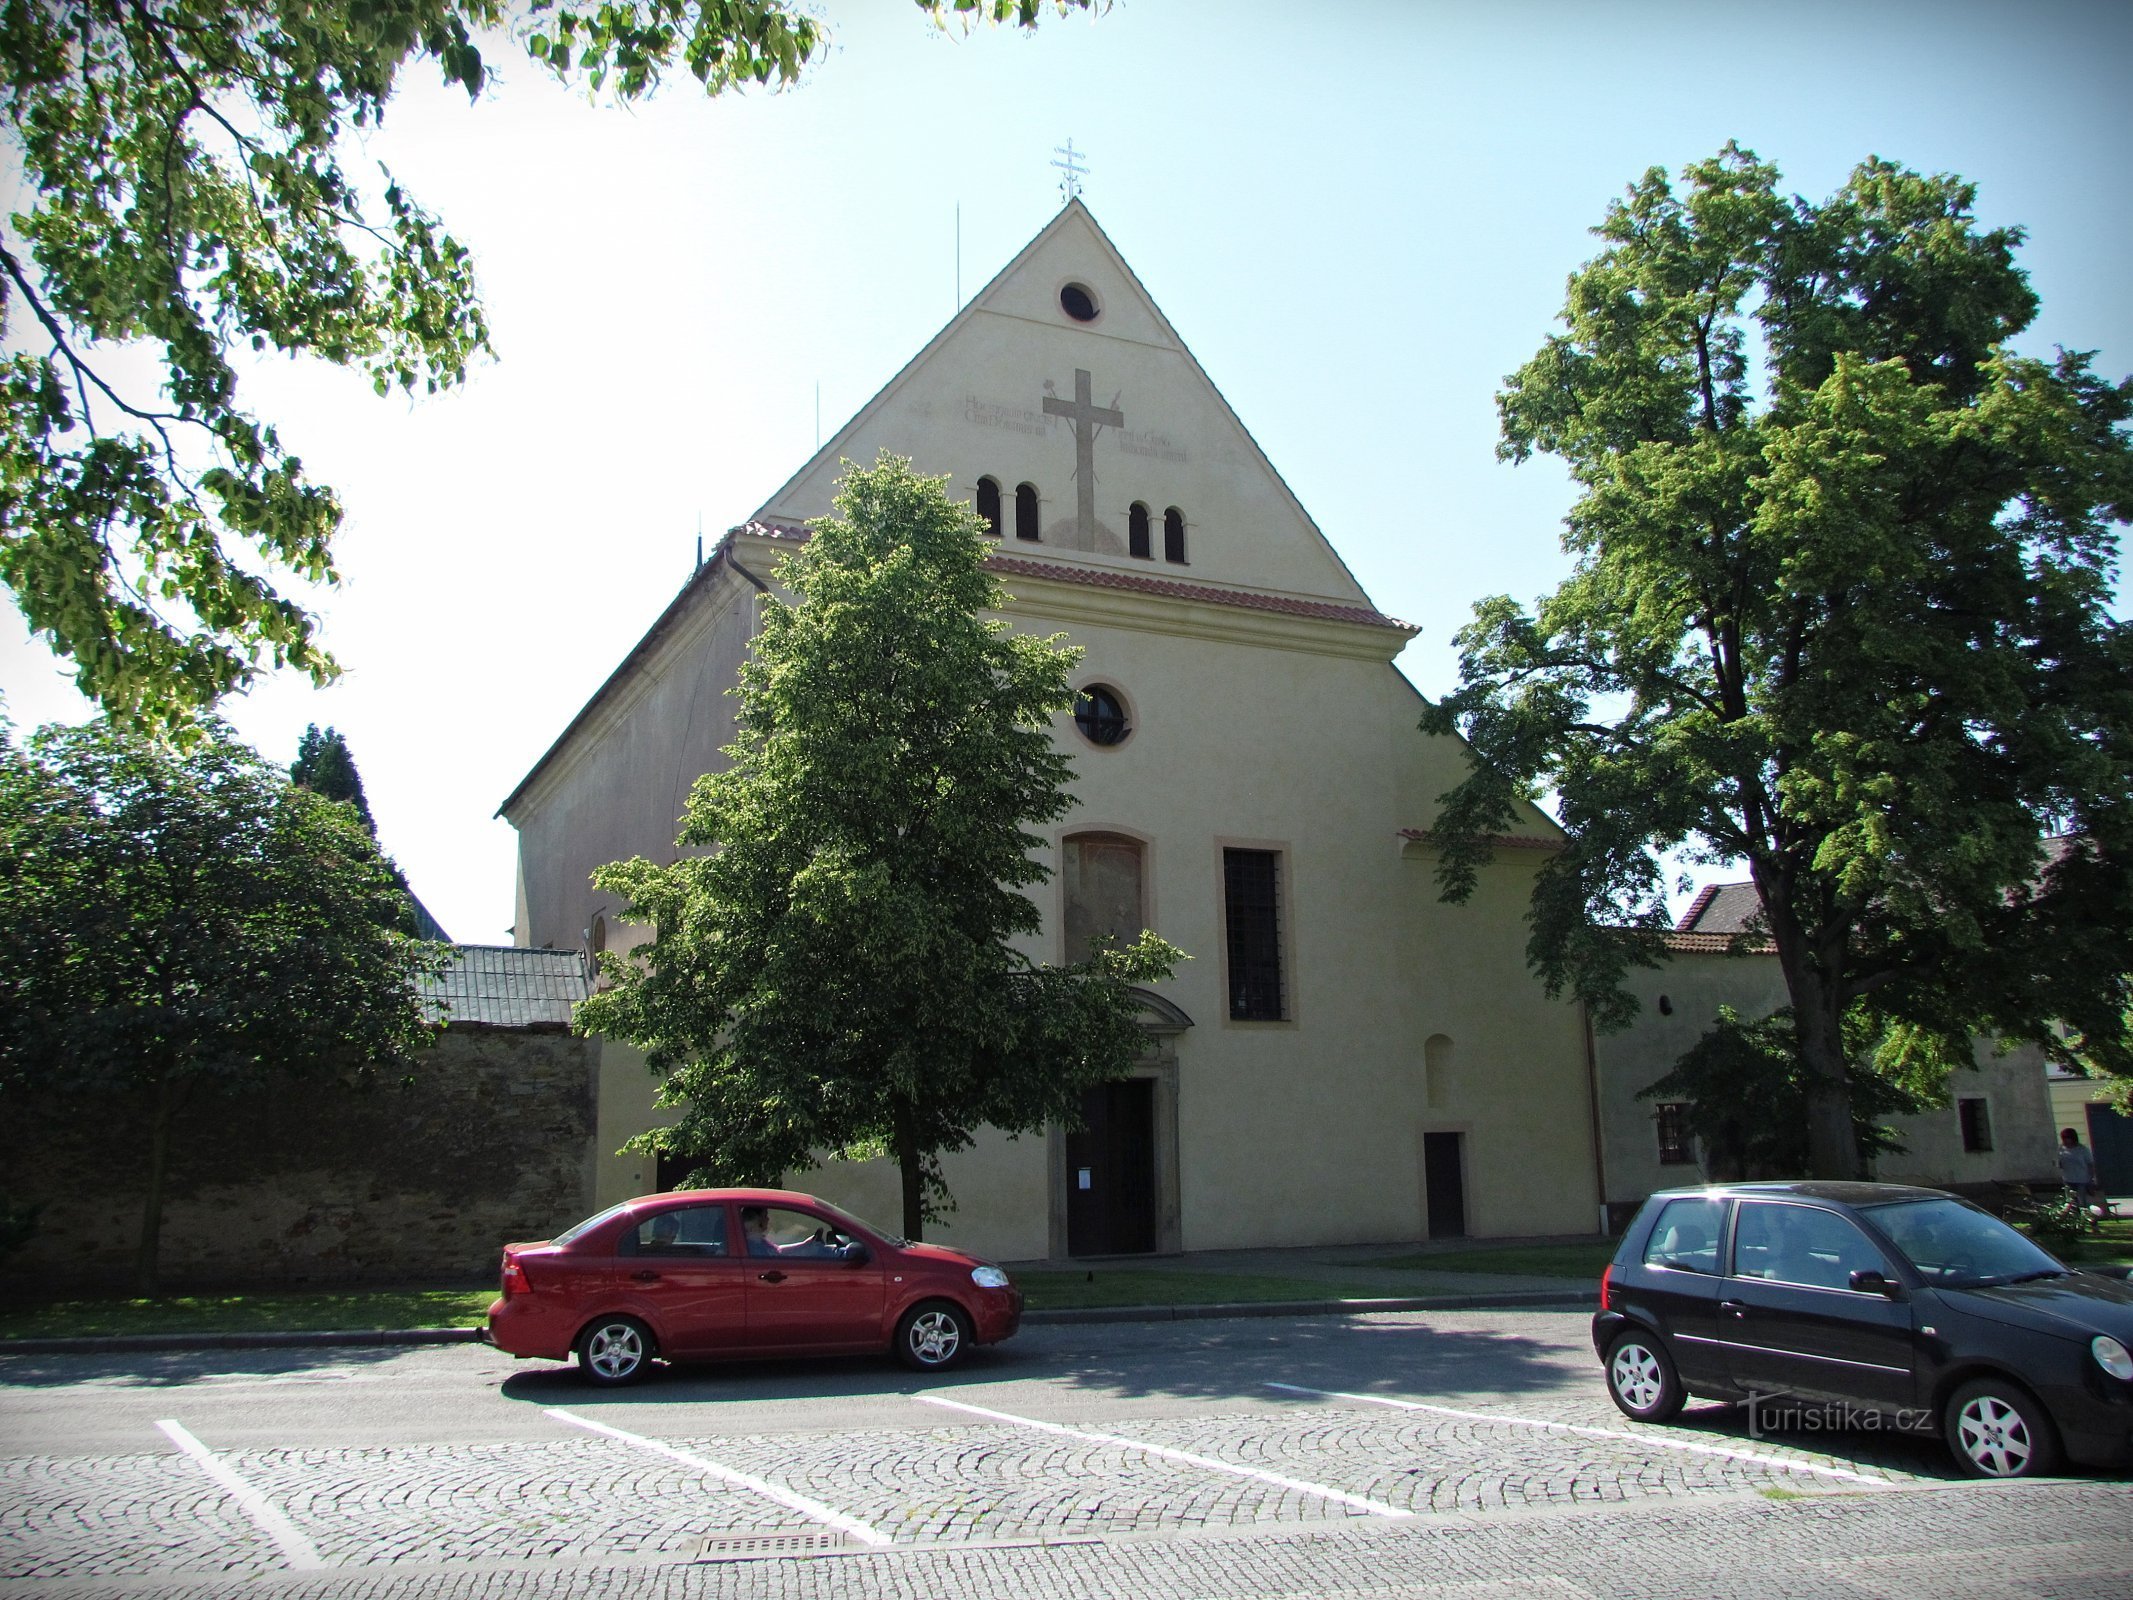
(617, 791)
(972, 403)
(1696, 983)
(1307, 1130)
(2024, 1138)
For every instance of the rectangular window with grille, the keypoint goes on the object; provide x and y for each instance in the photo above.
(1977, 1124)
(1251, 894)
(1676, 1148)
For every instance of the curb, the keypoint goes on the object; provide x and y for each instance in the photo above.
(1314, 1308)
(122, 1343)
(128, 1343)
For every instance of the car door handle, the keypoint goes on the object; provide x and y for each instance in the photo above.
(645, 1277)
(1738, 1307)
(772, 1277)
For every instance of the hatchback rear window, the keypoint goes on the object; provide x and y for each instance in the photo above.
(1686, 1235)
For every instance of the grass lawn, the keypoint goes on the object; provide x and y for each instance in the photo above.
(2113, 1244)
(265, 1312)
(1538, 1260)
(269, 1312)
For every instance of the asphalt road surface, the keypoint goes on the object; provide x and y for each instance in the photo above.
(1469, 1454)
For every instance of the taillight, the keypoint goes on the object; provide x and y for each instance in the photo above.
(514, 1277)
(1607, 1274)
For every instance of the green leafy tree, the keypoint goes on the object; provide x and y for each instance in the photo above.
(179, 925)
(325, 766)
(1746, 1091)
(840, 973)
(1839, 611)
(187, 195)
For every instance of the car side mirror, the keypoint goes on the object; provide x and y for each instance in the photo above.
(857, 1254)
(1874, 1283)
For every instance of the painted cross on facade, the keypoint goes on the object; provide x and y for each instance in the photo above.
(1087, 417)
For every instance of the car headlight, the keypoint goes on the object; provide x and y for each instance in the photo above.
(994, 1278)
(2111, 1356)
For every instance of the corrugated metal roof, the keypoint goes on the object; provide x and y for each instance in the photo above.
(507, 986)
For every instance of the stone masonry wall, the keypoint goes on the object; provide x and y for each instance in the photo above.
(316, 1182)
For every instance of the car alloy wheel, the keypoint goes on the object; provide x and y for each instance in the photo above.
(1999, 1431)
(932, 1337)
(614, 1350)
(1642, 1380)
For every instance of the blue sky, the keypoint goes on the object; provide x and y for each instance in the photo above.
(1360, 217)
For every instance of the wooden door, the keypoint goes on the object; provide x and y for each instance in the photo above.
(1111, 1171)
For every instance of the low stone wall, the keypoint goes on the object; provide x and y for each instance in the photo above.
(316, 1182)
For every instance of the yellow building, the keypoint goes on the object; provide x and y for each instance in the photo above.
(1344, 1059)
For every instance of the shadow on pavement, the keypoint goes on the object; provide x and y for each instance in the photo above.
(1208, 1361)
(164, 1368)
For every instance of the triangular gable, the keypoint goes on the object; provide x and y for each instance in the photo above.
(1126, 397)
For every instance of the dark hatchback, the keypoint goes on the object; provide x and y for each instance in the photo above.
(1910, 1307)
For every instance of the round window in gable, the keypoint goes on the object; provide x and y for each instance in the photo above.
(1101, 715)
(1077, 302)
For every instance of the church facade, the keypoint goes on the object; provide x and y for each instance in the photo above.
(1343, 1058)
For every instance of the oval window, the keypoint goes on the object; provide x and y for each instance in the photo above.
(1077, 302)
(1101, 715)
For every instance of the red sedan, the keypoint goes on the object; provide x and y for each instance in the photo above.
(707, 1273)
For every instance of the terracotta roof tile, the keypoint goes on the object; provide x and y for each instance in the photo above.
(1717, 943)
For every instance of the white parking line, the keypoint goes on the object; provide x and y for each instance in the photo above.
(298, 1551)
(1592, 1433)
(1375, 1508)
(814, 1509)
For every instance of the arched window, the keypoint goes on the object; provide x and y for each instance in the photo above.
(989, 503)
(1137, 531)
(1025, 511)
(1102, 874)
(1173, 535)
(1437, 1068)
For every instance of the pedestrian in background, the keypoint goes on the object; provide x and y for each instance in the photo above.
(2077, 1170)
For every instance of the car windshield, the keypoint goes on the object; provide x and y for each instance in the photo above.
(1954, 1245)
(591, 1222)
(851, 1223)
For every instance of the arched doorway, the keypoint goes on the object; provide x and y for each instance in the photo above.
(1115, 1179)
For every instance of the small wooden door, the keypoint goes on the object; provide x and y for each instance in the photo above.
(2111, 1141)
(1111, 1171)
(1444, 1183)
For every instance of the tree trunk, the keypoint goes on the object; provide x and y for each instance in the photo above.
(144, 1263)
(910, 1164)
(1811, 963)
(1832, 1141)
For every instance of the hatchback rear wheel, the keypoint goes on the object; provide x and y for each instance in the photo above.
(1997, 1429)
(614, 1350)
(1641, 1378)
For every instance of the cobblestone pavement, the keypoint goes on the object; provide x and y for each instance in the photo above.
(1155, 1461)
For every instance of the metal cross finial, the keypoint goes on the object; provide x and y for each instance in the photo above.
(1071, 171)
